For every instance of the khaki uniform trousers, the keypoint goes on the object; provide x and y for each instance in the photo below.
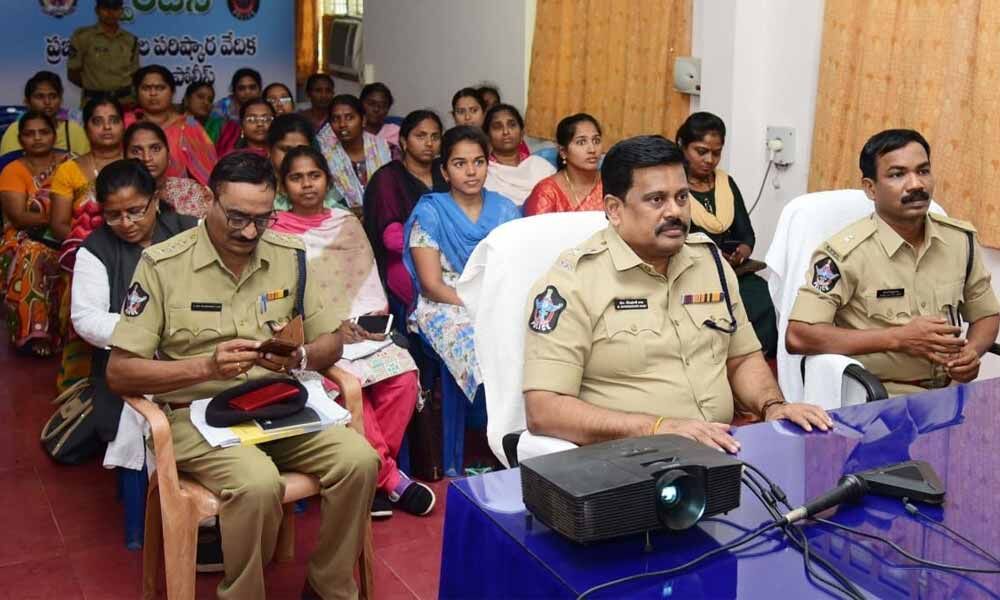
(246, 478)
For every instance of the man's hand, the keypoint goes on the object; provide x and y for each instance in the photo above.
(713, 435)
(805, 416)
(280, 364)
(232, 358)
(964, 366)
(354, 333)
(931, 338)
(740, 255)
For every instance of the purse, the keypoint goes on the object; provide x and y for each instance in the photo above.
(70, 436)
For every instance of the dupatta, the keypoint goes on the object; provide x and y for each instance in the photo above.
(346, 181)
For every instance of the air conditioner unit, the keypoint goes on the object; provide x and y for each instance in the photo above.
(343, 46)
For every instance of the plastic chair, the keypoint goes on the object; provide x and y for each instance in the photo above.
(804, 224)
(494, 287)
(9, 114)
(394, 120)
(176, 504)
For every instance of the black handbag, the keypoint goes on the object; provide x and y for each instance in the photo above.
(70, 436)
(426, 433)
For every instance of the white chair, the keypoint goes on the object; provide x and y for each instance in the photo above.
(827, 380)
(494, 287)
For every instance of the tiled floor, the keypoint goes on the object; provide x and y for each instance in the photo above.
(61, 530)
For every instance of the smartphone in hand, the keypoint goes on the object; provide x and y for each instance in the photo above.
(377, 324)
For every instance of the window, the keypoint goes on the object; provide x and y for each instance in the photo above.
(351, 8)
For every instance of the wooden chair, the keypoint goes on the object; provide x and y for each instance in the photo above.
(176, 504)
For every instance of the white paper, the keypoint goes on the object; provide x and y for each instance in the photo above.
(363, 349)
(330, 413)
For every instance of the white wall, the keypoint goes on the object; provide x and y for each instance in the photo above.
(760, 67)
(427, 50)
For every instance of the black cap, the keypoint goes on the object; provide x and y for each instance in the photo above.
(112, 4)
(219, 413)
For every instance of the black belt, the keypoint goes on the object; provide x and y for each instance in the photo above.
(119, 93)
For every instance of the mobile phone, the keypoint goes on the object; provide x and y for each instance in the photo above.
(278, 346)
(378, 324)
(730, 246)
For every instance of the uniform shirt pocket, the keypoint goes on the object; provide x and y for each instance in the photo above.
(707, 339)
(894, 310)
(279, 312)
(630, 335)
(950, 294)
(190, 327)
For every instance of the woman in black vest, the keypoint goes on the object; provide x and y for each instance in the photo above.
(133, 220)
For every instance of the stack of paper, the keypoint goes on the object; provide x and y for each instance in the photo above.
(250, 433)
(363, 349)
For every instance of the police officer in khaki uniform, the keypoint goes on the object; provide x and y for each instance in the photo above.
(103, 57)
(891, 289)
(640, 329)
(199, 306)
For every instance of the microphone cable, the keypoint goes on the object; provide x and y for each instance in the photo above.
(780, 496)
(913, 510)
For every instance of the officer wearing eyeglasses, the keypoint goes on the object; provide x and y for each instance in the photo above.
(199, 306)
(640, 329)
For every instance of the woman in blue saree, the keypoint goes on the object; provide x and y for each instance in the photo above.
(441, 233)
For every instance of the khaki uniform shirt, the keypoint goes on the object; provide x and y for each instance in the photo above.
(107, 61)
(605, 327)
(867, 277)
(183, 302)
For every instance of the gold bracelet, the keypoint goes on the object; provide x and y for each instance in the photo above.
(656, 426)
(769, 404)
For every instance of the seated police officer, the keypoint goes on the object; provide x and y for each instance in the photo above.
(640, 330)
(199, 306)
(891, 289)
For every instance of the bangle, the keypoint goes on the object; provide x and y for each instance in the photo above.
(656, 426)
(769, 404)
(304, 362)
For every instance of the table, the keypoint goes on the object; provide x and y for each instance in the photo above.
(494, 549)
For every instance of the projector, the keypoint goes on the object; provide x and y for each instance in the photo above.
(629, 486)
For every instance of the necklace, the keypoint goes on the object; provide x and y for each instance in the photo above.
(572, 190)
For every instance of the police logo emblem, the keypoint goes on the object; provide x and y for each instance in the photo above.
(547, 307)
(825, 275)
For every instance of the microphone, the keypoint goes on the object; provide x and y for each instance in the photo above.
(850, 488)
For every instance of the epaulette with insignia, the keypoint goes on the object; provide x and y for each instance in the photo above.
(569, 259)
(283, 239)
(847, 239)
(957, 223)
(698, 238)
(172, 247)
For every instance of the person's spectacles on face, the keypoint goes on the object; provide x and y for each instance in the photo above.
(131, 215)
(280, 100)
(259, 119)
(238, 221)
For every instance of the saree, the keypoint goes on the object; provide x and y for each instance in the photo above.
(345, 179)
(192, 153)
(517, 182)
(549, 197)
(438, 222)
(389, 199)
(185, 196)
(33, 281)
(339, 255)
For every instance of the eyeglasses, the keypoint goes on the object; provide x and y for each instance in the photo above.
(131, 215)
(259, 119)
(281, 100)
(237, 220)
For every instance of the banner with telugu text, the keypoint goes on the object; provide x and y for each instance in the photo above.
(195, 39)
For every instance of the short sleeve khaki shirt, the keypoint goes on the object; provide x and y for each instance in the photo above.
(867, 277)
(605, 327)
(107, 62)
(183, 302)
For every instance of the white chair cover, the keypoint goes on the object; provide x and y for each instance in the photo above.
(494, 287)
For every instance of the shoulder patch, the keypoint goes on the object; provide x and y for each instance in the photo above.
(545, 311)
(847, 239)
(135, 301)
(569, 259)
(826, 274)
(172, 247)
(957, 223)
(698, 238)
(283, 239)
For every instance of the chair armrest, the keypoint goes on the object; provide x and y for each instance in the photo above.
(350, 389)
(163, 443)
(873, 385)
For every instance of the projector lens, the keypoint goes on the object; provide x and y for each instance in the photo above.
(680, 499)
(669, 495)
